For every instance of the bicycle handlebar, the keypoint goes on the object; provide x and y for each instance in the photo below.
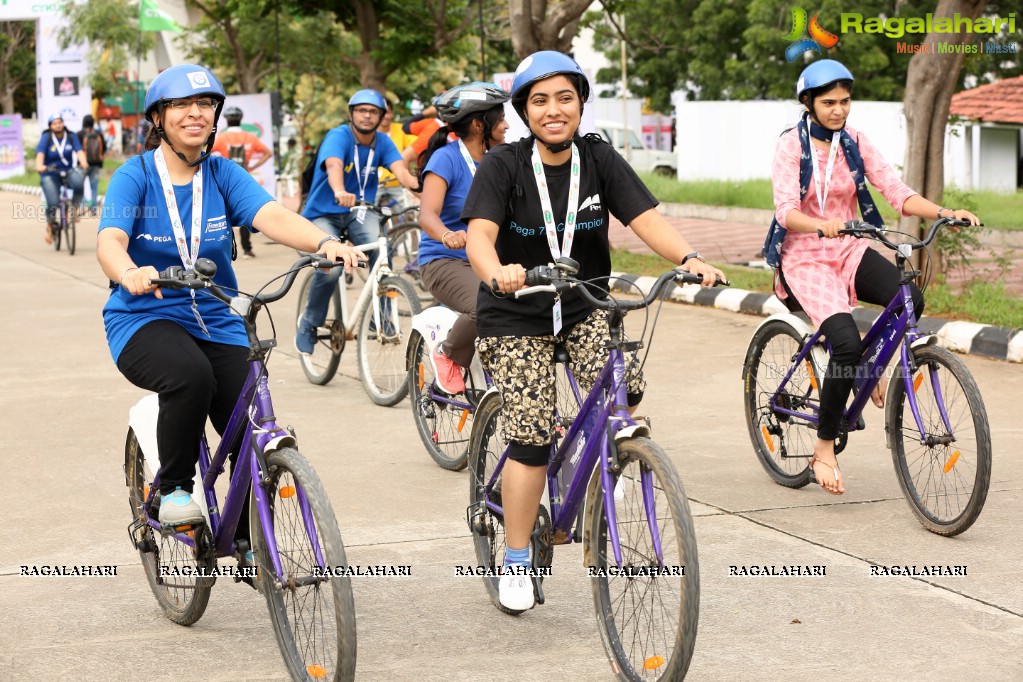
(860, 229)
(384, 212)
(559, 277)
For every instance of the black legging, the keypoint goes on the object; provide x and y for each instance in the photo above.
(877, 281)
(194, 378)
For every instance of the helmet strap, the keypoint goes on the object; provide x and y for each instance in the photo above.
(559, 147)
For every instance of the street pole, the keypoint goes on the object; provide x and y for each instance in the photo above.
(625, 100)
(483, 48)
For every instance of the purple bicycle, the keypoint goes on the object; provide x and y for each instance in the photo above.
(935, 422)
(296, 543)
(612, 488)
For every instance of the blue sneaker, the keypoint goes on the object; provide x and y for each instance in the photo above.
(179, 509)
(305, 338)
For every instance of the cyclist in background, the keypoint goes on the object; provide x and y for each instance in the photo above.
(540, 198)
(827, 276)
(95, 149)
(474, 113)
(346, 172)
(390, 190)
(248, 151)
(290, 169)
(59, 150)
(188, 348)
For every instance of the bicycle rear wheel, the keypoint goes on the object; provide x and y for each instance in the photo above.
(381, 352)
(321, 365)
(486, 525)
(443, 428)
(69, 228)
(313, 615)
(944, 475)
(784, 444)
(170, 565)
(647, 613)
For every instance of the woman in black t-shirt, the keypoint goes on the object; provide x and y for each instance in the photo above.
(516, 187)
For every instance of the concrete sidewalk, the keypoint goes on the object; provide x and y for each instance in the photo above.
(65, 406)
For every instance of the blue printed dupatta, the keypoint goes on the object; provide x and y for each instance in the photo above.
(776, 233)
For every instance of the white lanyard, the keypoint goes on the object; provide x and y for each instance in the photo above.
(60, 145)
(188, 257)
(832, 152)
(468, 158)
(548, 211)
(360, 213)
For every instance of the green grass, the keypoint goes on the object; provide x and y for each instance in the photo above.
(1002, 211)
(985, 302)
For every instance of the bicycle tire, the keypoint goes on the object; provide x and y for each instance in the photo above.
(947, 467)
(647, 642)
(171, 566)
(381, 356)
(768, 358)
(444, 429)
(321, 366)
(487, 527)
(69, 228)
(58, 233)
(403, 253)
(314, 623)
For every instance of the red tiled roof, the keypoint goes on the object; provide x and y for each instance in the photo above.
(1000, 102)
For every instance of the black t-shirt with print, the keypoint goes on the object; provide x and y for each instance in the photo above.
(505, 178)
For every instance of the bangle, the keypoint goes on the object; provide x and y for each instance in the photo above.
(125, 272)
(444, 238)
(328, 238)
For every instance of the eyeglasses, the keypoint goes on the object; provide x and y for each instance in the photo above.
(180, 104)
(365, 111)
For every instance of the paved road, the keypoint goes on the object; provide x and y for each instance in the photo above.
(65, 410)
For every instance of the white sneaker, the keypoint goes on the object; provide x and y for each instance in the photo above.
(516, 592)
(179, 509)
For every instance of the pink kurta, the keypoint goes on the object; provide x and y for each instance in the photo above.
(821, 272)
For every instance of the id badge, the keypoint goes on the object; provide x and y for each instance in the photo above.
(557, 315)
(360, 214)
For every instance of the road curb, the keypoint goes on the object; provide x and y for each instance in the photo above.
(963, 337)
(21, 189)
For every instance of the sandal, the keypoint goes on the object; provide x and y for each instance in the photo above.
(48, 235)
(835, 471)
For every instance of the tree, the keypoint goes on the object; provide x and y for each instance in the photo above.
(17, 60)
(544, 24)
(111, 29)
(930, 84)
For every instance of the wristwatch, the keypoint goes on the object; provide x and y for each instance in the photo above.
(694, 254)
(331, 238)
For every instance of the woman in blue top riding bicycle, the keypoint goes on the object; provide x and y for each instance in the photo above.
(523, 197)
(170, 206)
(475, 114)
(827, 276)
(57, 150)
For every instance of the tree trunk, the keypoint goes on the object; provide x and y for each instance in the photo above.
(7, 102)
(930, 83)
(542, 25)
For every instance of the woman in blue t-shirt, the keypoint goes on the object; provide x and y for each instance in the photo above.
(474, 113)
(170, 206)
(56, 152)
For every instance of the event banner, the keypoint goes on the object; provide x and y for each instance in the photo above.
(60, 76)
(257, 119)
(12, 153)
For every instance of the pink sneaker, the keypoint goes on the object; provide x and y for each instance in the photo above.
(448, 374)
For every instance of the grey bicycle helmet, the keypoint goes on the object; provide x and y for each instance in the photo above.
(462, 100)
(233, 115)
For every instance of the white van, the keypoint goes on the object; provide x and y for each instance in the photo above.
(641, 158)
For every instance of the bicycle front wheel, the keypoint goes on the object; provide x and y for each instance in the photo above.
(783, 443)
(443, 428)
(57, 231)
(321, 365)
(311, 610)
(171, 567)
(944, 473)
(381, 351)
(69, 228)
(647, 608)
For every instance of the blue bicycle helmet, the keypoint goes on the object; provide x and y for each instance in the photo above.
(177, 82)
(54, 117)
(370, 97)
(822, 72)
(183, 80)
(541, 65)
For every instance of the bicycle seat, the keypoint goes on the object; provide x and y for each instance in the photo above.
(561, 354)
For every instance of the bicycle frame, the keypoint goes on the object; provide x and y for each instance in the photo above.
(580, 451)
(379, 270)
(886, 336)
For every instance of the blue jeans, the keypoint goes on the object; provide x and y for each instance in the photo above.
(92, 172)
(51, 191)
(323, 283)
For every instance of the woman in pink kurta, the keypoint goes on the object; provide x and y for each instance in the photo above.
(818, 176)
